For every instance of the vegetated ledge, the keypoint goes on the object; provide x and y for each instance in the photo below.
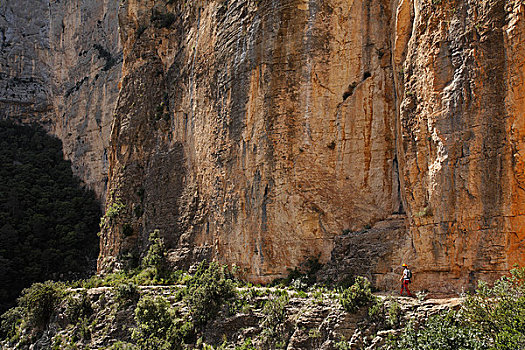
(256, 318)
(212, 310)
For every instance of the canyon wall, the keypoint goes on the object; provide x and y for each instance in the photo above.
(461, 118)
(265, 133)
(61, 64)
(25, 75)
(87, 62)
(260, 132)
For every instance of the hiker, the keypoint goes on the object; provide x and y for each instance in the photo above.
(405, 280)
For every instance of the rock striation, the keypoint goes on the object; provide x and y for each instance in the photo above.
(252, 132)
(257, 132)
(86, 61)
(460, 114)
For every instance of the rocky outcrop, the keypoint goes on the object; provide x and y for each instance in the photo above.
(105, 318)
(61, 64)
(373, 252)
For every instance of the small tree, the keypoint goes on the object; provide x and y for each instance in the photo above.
(273, 323)
(39, 301)
(156, 256)
(154, 323)
(207, 290)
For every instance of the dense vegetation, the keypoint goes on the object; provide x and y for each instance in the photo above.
(160, 322)
(48, 222)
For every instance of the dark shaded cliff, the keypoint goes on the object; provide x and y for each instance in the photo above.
(60, 67)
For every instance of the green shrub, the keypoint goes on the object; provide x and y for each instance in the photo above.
(357, 295)
(443, 332)
(112, 212)
(156, 256)
(394, 314)
(273, 323)
(158, 326)
(11, 321)
(121, 346)
(39, 302)
(301, 279)
(499, 312)
(35, 308)
(115, 209)
(377, 312)
(491, 318)
(154, 324)
(127, 293)
(84, 329)
(343, 344)
(246, 345)
(207, 290)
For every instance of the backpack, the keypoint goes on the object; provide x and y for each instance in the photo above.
(409, 275)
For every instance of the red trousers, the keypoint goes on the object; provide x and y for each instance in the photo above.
(404, 286)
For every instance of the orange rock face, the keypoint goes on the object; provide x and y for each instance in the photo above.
(256, 132)
(459, 118)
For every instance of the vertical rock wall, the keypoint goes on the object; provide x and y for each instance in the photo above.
(25, 75)
(460, 115)
(256, 132)
(86, 61)
(252, 131)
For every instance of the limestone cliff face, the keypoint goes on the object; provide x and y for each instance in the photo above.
(461, 89)
(61, 64)
(263, 133)
(253, 132)
(87, 62)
